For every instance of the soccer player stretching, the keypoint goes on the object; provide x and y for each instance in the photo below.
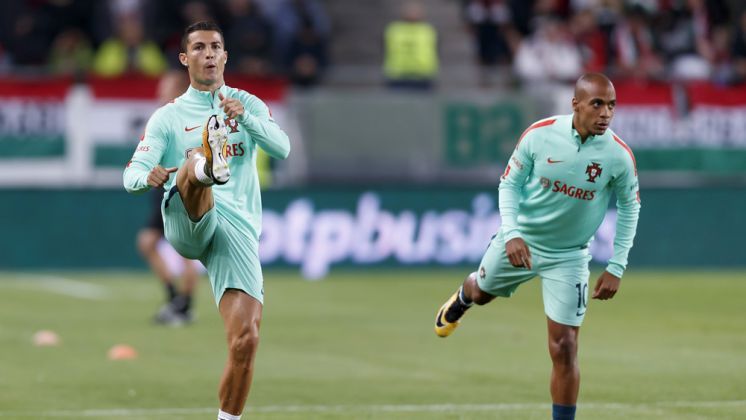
(553, 197)
(212, 207)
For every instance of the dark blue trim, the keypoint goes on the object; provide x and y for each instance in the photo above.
(171, 193)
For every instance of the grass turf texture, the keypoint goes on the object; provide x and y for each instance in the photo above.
(360, 345)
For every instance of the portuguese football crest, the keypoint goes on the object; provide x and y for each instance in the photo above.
(232, 125)
(593, 170)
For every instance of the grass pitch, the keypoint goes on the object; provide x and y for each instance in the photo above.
(360, 345)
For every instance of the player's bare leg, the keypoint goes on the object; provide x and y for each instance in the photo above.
(195, 194)
(450, 313)
(179, 310)
(242, 315)
(474, 293)
(190, 276)
(565, 380)
(147, 245)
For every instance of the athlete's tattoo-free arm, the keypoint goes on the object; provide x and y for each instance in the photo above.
(627, 191)
(519, 167)
(148, 154)
(262, 127)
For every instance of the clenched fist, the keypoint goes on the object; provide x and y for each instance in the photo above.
(158, 176)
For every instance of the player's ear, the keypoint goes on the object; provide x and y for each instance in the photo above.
(183, 60)
(225, 55)
(574, 104)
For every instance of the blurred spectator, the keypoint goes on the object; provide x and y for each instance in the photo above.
(129, 51)
(107, 12)
(549, 55)
(290, 17)
(5, 66)
(411, 50)
(593, 42)
(633, 47)
(58, 15)
(306, 56)
(198, 11)
(739, 47)
(28, 39)
(721, 62)
(71, 53)
(684, 41)
(248, 38)
(494, 36)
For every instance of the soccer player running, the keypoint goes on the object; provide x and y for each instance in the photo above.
(177, 310)
(553, 197)
(212, 207)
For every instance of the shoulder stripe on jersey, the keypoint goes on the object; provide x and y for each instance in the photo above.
(535, 125)
(623, 144)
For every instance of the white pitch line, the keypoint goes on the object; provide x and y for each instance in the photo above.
(381, 408)
(62, 286)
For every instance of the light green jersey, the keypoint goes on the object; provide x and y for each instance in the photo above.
(555, 190)
(177, 127)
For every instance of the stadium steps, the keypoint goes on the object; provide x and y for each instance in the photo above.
(357, 45)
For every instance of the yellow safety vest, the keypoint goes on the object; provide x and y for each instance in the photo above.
(411, 51)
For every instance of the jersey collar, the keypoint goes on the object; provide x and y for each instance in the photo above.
(206, 96)
(576, 135)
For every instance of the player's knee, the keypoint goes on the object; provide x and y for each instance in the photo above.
(564, 350)
(474, 292)
(243, 344)
(146, 242)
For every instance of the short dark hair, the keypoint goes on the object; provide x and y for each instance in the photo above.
(200, 26)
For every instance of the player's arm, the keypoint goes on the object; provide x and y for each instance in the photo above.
(144, 170)
(254, 116)
(516, 173)
(627, 189)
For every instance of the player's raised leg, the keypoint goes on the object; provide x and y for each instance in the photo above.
(450, 313)
(565, 380)
(201, 168)
(242, 315)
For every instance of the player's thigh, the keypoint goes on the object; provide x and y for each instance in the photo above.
(496, 275)
(232, 262)
(189, 238)
(565, 289)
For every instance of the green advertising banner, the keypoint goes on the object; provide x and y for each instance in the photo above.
(319, 230)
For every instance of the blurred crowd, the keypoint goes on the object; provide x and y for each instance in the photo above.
(557, 40)
(110, 38)
(538, 40)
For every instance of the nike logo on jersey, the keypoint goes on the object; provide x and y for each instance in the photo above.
(549, 160)
(187, 129)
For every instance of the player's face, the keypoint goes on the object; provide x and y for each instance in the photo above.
(595, 108)
(205, 57)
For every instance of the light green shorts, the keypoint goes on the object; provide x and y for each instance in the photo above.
(564, 281)
(230, 255)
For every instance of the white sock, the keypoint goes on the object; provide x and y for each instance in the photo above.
(199, 171)
(222, 415)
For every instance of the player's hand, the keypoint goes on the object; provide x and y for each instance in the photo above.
(518, 253)
(158, 176)
(232, 107)
(606, 286)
